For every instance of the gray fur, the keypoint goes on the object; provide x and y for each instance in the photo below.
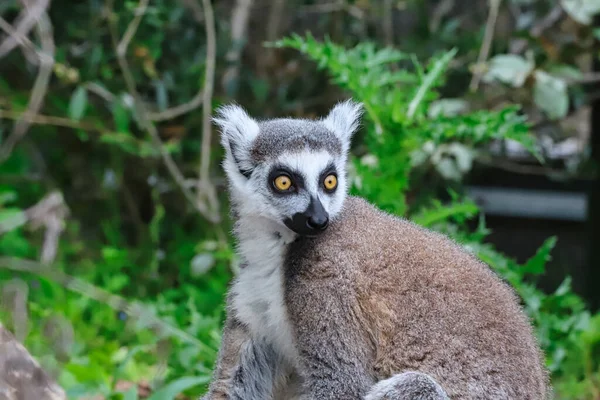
(409, 385)
(374, 308)
(254, 377)
(376, 295)
(292, 135)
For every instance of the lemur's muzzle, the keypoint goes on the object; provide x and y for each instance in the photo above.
(310, 222)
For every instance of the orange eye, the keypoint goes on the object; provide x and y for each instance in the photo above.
(283, 182)
(330, 182)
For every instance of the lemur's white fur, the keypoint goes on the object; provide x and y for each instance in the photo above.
(239, 129)
(258, 291)
(344, 120)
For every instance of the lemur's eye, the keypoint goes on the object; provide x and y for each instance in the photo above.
(330, 182)
(283, 183)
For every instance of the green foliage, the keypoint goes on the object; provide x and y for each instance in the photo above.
(398, 94)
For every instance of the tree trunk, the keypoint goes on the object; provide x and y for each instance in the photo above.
(21, 377)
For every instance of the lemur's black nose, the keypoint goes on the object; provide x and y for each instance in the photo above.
(318, 222)
(311, 222)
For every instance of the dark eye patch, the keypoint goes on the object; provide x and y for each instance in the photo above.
(296, 177)
(329, 170)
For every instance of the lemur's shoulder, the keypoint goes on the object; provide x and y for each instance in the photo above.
(376, 250)
(364, 232)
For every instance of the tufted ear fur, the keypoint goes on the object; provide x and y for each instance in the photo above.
(238, 132)
(344, 120)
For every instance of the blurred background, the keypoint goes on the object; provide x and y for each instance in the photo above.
(482, 122)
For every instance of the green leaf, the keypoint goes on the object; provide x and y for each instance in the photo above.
(11, 218)
(7, 197)
(536, 265)
(550, 95)
(439, 213)
(78, 103)
(170, 391)
(509, 68)
(121, 117)
(432, 76)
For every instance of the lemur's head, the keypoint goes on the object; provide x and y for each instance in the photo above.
(291, 171)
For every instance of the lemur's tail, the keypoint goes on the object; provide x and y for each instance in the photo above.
(407, 386)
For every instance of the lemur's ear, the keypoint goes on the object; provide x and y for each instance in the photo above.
(238, 132)
(344, 119)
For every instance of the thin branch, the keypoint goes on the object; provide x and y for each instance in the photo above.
(439, 12)
(25, 22)
(100, 91)
(490, 27)
(21, 40)
(204, 186)
(40, 86)
(165, 115)
(121, 49)
(548, 21)
(239, 28)
(178, 110)
(132, 28)
(39, 119)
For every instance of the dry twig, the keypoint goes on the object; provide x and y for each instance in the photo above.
(121, 49)
(239, 27)
(165, 115)
(204, 185)
(178, 110)
(132, 28)
(39, 119)
(490, 27)
(548, 21)
(25, 22)
(49, 213)
(40, 86)
(28, 47)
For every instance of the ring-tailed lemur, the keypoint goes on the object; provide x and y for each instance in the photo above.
(338, 300)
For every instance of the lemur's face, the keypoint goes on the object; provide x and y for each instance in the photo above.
(290, 171)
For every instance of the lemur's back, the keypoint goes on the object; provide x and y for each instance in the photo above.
(425, 304)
